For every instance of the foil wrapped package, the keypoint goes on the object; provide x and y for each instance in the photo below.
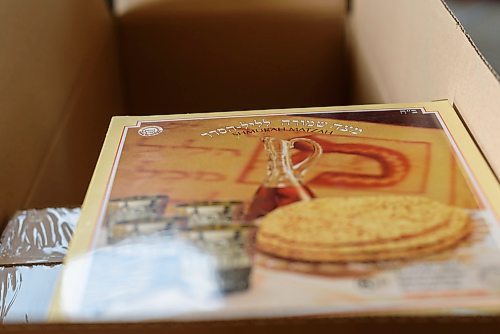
(38, 236)
(26, 292)
(33, 246)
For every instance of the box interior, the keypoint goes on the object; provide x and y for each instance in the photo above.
(407, 50)
(73, 65)
(58, 90)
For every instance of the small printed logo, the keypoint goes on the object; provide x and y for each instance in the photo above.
(149, 131)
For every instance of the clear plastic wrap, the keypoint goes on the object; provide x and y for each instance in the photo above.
(292, 213)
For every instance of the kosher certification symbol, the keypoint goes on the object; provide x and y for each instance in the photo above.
(149, 131)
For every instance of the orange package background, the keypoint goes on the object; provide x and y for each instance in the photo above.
(188, 163)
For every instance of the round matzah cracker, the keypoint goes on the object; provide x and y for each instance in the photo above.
(333, 269)
(443, 234)
(318, 268)
(354, 221)
(392, 253)
(454, 224)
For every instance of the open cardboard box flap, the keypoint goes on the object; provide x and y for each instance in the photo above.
(418, 51)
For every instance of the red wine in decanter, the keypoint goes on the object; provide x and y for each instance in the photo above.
(266, 199)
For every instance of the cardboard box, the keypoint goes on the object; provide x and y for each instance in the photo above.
(72, 65)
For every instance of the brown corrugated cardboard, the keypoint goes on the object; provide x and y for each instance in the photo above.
(190, 56)
(416, 51)
(61, 66)
(58, 89)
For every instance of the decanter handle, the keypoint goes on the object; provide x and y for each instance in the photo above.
(301, 167)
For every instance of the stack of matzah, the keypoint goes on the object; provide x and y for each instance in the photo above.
(361, 229)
